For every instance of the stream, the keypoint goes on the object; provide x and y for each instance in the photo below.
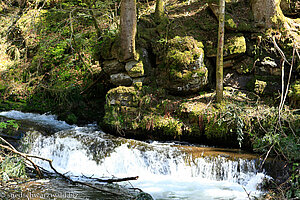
(165, 170)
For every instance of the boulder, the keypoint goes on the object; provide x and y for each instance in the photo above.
(113, 67)
(122, 96)
(121, 79)
(135, 69)
(233, 46)
(268, 66)
(183, 70)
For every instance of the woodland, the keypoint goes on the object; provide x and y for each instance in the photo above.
(213, 72)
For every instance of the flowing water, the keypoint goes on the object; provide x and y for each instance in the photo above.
(165, 170)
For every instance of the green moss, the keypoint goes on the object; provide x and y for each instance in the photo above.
(260, 86)
(166, 125)
(229, 22)
(183, 51)
(122, 90)
(137, 70)
(235, 45)
(294, 94)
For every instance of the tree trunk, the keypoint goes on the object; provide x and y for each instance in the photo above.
(159, 10)
(267, 13)
(219, 70)
(128, 30)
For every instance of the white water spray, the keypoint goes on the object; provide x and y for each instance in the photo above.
(164, 170)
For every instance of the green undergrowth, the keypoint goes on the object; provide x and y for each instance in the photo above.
(238, 121)
(54, 64)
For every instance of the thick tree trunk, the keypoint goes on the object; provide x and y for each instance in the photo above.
(267, 13)
(159, 10)
(219, 70)
(128, 30)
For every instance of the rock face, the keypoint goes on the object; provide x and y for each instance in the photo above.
(121, 79)
(183, 69)
(122, 96)
(135, 69)
(113, 67)
(233, 46)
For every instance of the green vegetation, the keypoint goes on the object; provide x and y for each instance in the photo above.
(56, 56)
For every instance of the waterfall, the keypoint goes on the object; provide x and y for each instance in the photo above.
(165, 170)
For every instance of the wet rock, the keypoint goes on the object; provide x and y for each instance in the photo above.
(121, 79)
(113, 66)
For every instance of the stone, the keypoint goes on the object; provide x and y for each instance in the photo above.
(139, 79)
(244, 66)
(135, 69)
(144, 57)
(122, 96)
(260, 86)
(121, 79)
(113, 67)
(236, 80)
(268, 66)
(233, 46)
(184, 70)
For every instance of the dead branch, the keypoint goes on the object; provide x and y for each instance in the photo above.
(28, 156)
(22, 155)
(114, 180)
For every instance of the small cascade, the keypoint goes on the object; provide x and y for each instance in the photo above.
(166, 171)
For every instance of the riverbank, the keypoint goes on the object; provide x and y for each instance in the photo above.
(63, 58)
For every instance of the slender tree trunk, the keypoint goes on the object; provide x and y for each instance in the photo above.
(219, 70)
(159, 10)
(128, 30)
(267, 13)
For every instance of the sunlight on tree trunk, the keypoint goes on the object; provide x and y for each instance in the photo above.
(267, 13)
(219, 70)
(128, 30)
(159, 10)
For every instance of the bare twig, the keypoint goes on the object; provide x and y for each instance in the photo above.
(248, 194)
(28, 156)
(262, 164)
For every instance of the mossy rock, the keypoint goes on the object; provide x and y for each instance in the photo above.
(183, 68)
(259, 86)
(168, 126)
(245, 66)
(135, 69)
(234, 46)
(265, 85)
(122, 95)
(106, 47)
(294, 94)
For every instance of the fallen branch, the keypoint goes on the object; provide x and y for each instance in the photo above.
(115, 180)
(28, 156)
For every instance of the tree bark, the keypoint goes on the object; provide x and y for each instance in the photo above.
(128, 30)
(159, 10)
(267, 13)
(219, 67)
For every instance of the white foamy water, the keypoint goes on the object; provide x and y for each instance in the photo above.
(44, 119)
(164, 171)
